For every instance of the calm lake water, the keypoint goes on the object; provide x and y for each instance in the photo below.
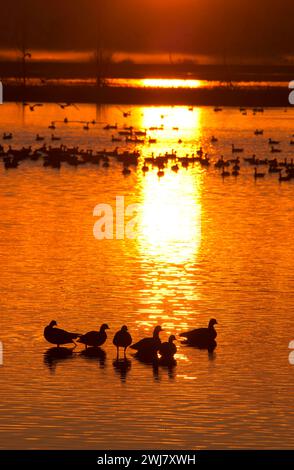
(206, 247)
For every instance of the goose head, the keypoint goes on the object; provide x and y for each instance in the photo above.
(104, 327)
(53, 323)
(172, 338)
(156, 331)
(124, 328)
(212, 322)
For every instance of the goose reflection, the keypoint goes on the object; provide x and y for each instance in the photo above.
(95, 354)
(158, 365)
(168, 364)
(209, 346)
(122, 367)
(54, 355)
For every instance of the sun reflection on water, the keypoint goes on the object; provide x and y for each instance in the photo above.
(168, 124)
(170, 220)
(169, 227)
(168, 243)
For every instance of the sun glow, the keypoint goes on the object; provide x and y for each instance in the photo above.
(170, 83)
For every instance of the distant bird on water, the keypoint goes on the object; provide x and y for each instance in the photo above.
(58, 336)
(36, 105)
(122, 339)
(94, 339)
(148, 347)
(201, 336)
(67, 105)
(168, 350)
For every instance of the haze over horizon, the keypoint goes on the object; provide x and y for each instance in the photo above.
(203, 30)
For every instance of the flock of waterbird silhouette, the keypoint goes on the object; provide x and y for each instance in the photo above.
(55, 156)
(149, 349)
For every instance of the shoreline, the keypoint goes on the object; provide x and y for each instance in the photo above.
(238, 97)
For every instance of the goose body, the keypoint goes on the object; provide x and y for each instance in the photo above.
(126, 171)
(236, 149)
(258, 175)
(58, 336)
(7, 136)
(149, 346)
(168, 350)
(201, 335)
(95, 339)
(122, 339)
(273, 142)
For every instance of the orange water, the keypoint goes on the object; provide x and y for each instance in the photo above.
(205, 248)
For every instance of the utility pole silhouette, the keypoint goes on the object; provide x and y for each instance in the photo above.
(99, 49)
(25, 54)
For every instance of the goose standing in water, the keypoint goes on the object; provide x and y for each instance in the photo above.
(148, 347)
(168, 350)
(95, 339)
(122, 339)
(58, 336)
(201, 336)
(258, 175)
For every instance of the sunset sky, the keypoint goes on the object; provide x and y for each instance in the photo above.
(134, 29)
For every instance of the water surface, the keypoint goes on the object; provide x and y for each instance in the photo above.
(206, 247)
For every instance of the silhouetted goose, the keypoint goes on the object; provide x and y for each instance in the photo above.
(149, 346)
(236, 149)
(7, 136)
(58, 336)
(201, 336)
(225, 174)
(95, 339)
(284, 177)
(258, 175)
(273, 142)
(126, 171)
(122, 339)
(168, 349)
(275, 150)
(36, 105)
(175, 168)
(115, 139)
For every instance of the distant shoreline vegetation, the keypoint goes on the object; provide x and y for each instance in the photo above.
(263, 96)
